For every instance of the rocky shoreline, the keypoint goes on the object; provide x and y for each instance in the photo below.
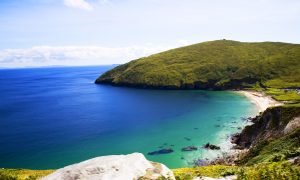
(272, 124)
(236, 146)
(240, 146)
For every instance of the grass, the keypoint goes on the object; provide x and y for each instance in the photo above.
(269, 171)
(23, 174)
(213, 171)
(266, 160)
(218, 64)
(291, 96)
(273, 151)
(284, 82)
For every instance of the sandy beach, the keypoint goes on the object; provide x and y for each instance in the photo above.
(261, 100)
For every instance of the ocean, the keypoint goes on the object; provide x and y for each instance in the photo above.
(56, 116)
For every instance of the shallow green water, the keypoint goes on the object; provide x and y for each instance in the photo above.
(53, 117)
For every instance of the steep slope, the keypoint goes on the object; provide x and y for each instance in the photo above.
(273, 123)
(221, 64)
(274, 136)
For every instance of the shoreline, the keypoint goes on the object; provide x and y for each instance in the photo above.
(261, 100)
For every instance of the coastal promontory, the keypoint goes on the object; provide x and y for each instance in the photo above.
(217, 65)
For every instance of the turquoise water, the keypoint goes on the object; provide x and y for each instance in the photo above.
(53, 117)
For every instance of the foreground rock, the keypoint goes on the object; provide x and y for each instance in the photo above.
(116, 167)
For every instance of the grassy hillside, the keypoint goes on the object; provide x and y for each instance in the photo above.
(282, 170)
(23, 174)
(221, 64)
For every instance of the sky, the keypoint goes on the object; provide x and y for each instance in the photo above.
(95, 32)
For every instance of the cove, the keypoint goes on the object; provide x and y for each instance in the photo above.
(53, 117)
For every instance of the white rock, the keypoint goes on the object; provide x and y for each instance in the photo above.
(292, 125)
(115, 167)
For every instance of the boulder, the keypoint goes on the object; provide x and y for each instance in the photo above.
(211, 146)
(189, 148)
(186, 138)
(161, 151)
(115, 167)
(292, 125)
(201, 162)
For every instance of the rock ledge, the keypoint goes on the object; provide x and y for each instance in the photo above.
(115, 167)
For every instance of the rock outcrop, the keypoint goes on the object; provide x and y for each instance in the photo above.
(211, 146)
(189, 148)
(161, 151)
(271, 124)
(292, 125)
(115, 167)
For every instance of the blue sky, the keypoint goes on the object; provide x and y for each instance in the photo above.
(85, 32)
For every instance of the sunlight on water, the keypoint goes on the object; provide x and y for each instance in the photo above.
(52, 117)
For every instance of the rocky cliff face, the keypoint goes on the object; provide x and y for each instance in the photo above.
(273, 123)
(116, 167)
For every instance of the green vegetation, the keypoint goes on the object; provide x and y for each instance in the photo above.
(273, 151)
(269, 125)
(269, 171)
(271, 67)
(214, 171)
(283, 82)
(22, 174)
(291, 96)
(218, 64)
(268, 160)
(275, 155)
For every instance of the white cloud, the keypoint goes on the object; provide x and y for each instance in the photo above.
(74, 55)
(81, 4)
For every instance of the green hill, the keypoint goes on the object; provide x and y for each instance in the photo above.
(220, 64)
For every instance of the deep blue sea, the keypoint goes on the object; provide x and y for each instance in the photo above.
(53, 117)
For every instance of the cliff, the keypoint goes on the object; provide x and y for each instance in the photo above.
(274, 137)
(271, 124)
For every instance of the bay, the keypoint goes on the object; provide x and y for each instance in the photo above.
(56, 116)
